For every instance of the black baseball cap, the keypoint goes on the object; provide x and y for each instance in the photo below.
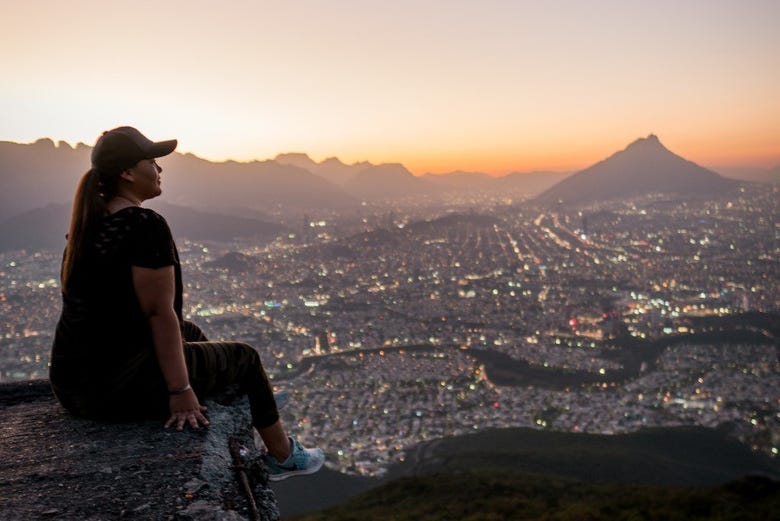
(120, 148)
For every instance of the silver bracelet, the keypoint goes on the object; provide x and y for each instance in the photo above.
(180, 391)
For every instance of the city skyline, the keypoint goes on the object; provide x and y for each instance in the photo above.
(493, 87)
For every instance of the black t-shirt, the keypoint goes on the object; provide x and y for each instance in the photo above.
(102, 336)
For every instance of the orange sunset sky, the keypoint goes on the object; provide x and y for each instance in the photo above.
(491, 85)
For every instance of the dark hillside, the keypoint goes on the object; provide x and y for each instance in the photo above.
(45, 228)
(684, 456)
(655, 462)
(484, 495)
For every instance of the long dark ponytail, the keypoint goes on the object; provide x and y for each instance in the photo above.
(89, 206)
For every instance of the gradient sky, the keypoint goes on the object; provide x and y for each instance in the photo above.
(486, 85)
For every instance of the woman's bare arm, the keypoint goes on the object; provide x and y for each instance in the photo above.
(156, 289)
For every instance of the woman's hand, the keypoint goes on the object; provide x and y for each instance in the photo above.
(185, 408)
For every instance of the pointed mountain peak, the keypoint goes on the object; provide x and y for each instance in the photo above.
(645, 148)
(643, 167)
(650, 141)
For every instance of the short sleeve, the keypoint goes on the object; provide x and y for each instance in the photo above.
(152, 243)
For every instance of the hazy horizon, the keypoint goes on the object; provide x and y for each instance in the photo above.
(323, 159)
(494, 87)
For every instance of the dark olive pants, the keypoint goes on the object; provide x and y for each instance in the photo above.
(214, 368)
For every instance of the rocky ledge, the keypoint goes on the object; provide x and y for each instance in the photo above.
(54, 465)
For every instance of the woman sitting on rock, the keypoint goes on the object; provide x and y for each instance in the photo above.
(121, 347)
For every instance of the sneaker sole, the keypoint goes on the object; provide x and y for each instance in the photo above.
(291, 473)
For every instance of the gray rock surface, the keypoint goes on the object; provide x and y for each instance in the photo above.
(57, 466)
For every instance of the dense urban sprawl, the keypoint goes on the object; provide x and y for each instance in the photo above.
(372, 325)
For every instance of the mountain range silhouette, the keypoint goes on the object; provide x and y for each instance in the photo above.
(38, 181)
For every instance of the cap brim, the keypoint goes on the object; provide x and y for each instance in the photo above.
(163, 148)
